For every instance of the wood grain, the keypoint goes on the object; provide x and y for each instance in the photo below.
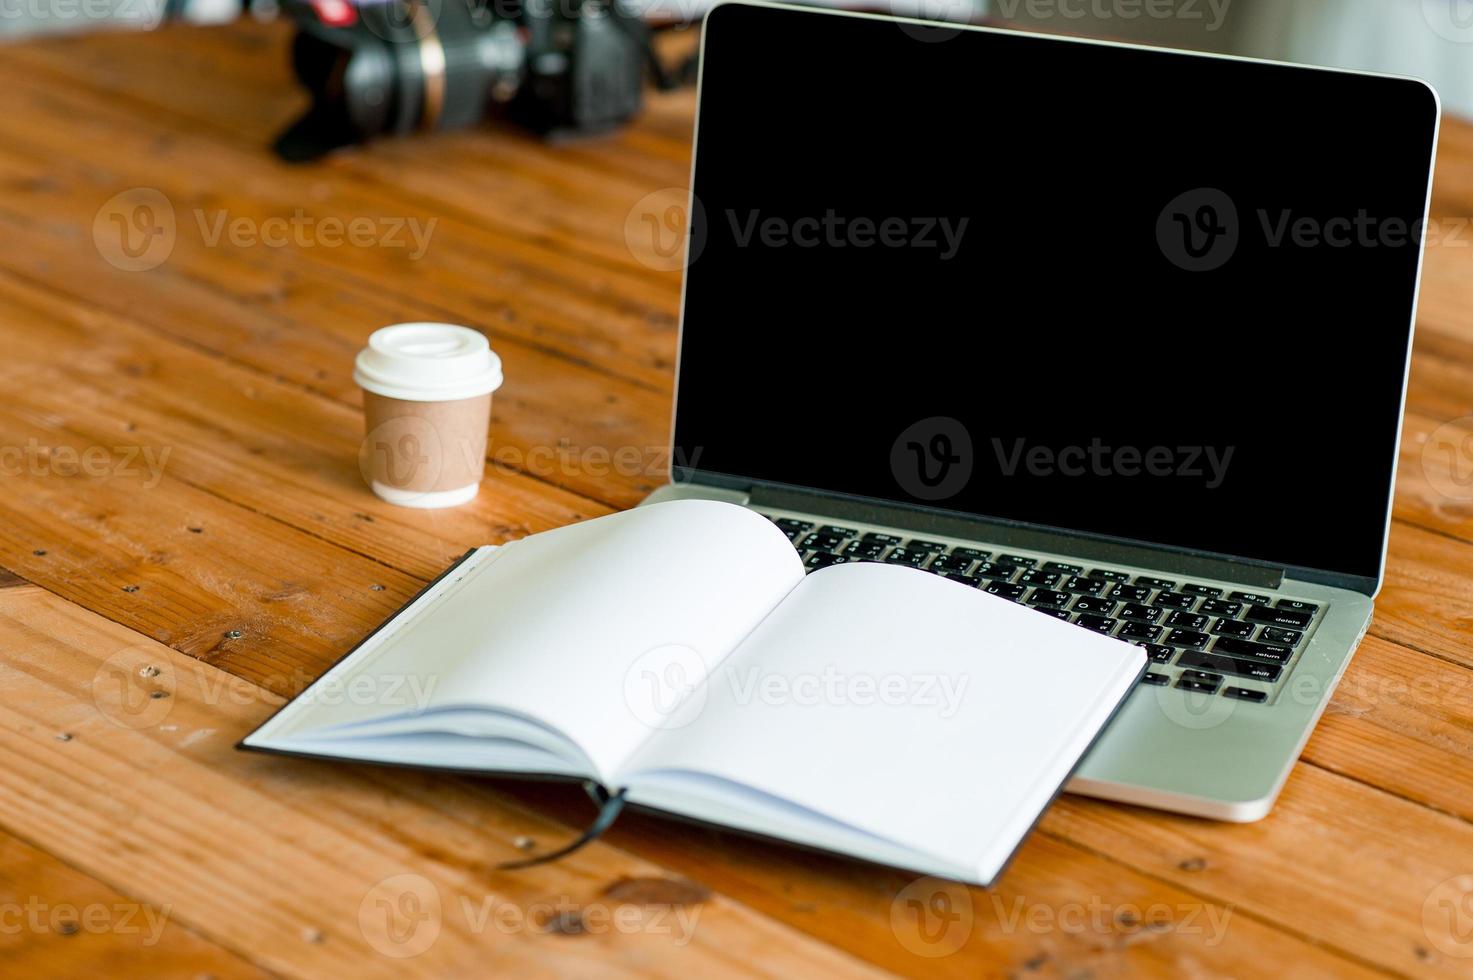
(257, 557)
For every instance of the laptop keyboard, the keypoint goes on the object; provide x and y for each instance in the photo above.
(1210, 639)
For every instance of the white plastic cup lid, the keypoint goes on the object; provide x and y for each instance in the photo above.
(427, 362)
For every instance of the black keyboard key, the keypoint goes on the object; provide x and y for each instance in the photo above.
(1109, 576)
(1231, 665)
(1268, 652)
(1234, 627)
(1254, 598)
(861, 550)
(995, 570)
(1187, 638)
(951, 563)
(1196, 680)
(1088, 586)
(1244, 694)
(971, 554)
(889, 540)
(1131, 593)
(905, 556)
(793, 524)
(1141, 614)
(1205, 591)
(819, 541)
(1063, 568)
(932, 547)
(1142, 632)
(1063, 614)
(970, 580)
(1278, 637)
(1157, 653)
(1155, 583)
(1187, 621)
(843, 532)
(1175, 600)
(1155, 680)
(1047, 597)
(1018, 560)
(1296, 605)
(1100, 624)
(822, 559)
(1221, 607)
(1090, 604)
(1012, 592)
(1279, 617)
(1043, 580)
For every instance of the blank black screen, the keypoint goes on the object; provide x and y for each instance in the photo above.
(1063, 359)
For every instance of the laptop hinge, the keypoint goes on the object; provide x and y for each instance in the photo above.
(1019, 536)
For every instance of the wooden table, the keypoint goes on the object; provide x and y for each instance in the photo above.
(180, 490)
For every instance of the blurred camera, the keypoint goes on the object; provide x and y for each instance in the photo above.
(390, 67)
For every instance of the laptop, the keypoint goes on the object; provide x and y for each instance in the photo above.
(1117, 333)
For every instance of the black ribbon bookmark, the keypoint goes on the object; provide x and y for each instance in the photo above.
(609, 808)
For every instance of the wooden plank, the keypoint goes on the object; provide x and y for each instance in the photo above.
(268, 446)
(1348, 864)
(56, 921)
(144, 790)
(308, 867)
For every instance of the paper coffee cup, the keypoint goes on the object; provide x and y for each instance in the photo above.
(427, 405)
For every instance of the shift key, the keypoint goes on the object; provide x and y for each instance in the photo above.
(1230, 665)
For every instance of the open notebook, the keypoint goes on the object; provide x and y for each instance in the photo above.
(678, 654)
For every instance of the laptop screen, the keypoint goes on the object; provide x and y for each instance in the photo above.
(1136, 294)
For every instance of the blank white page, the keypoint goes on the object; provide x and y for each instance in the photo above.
(570, 626)
(919, 710)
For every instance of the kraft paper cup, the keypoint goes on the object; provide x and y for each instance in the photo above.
(427, 406)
